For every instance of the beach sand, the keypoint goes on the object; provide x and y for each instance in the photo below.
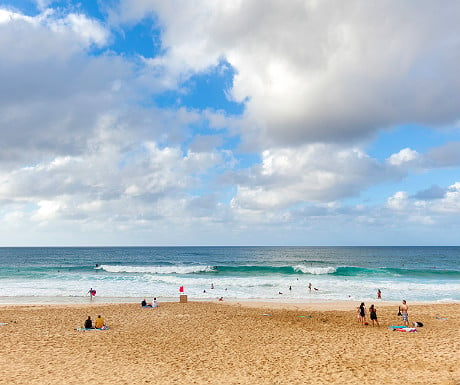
(228, 343)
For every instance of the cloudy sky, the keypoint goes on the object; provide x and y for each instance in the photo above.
(230, 122)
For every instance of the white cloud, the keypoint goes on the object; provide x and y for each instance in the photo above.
(399, 201)
(79, 155)
(404, 156)
(311, 173)
(89, 31)
(426, 212)
(7, 16)
(326, 71)
(47, 210)
(451, 201)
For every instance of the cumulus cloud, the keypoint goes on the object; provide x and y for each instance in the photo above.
(84, 145)
(52, 92)
(325, 173)
(318, 71)
(450, 203)
(423, 209)
(311, 173)
(405, 156)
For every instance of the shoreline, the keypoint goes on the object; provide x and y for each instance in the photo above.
(275, 303)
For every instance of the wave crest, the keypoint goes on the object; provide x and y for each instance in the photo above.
(315, 270)
(175, 269)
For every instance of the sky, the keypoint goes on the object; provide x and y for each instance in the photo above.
(230, 122)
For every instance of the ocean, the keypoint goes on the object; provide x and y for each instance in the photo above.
(128, 274)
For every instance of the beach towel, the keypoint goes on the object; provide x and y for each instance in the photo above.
(94, 329)
(3, 323)
(409, 330)
(403, 329)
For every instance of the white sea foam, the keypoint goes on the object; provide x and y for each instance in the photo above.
(199, 286)
(315, 270)
(176, 269)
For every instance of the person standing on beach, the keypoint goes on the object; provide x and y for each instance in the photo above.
(404, 310)
(373, 315)
(362, 313)
(379, 294)
(92, 293)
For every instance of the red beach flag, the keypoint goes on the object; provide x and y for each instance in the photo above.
(181, 289)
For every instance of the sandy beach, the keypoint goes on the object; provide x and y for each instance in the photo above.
(228, 343)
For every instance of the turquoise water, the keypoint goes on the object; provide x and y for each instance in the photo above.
(339, 273)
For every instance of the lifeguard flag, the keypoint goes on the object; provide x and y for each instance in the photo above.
(181, 289)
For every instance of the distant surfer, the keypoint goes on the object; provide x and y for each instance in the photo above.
(309, 286)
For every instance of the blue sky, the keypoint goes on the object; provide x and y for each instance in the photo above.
(149, 122)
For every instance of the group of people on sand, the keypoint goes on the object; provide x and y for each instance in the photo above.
(372, 314)
(361, 315)
(154, 303)
(98, 324)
